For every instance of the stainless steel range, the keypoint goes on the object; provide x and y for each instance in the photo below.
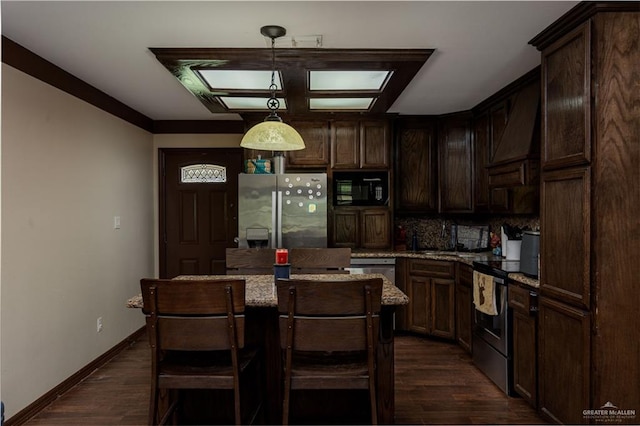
(492, 345)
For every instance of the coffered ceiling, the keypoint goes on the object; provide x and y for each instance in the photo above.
(457, 53)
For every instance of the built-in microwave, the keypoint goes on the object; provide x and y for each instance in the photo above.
(360, 188)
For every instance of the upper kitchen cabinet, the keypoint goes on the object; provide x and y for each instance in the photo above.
(455, 163)
(415, 165)
(360, 144)
(566, 79)
(589, 211)
(315, 134)
(481, 161)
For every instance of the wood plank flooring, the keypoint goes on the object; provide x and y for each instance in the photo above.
(436, 383)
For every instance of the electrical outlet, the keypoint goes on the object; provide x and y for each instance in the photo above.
(99, 325)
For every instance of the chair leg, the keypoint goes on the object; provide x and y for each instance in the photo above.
(153, 405)
(236, 404)
(286, 400)
(374, 405)
(373, 400)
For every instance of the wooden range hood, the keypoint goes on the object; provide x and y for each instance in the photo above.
(515, 159)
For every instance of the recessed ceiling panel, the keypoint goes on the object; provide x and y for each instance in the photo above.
(340, 104)
(254, 80)
(242, 103)
(371, 78)
(347, 80)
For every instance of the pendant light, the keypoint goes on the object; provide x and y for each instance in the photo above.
(272, 134)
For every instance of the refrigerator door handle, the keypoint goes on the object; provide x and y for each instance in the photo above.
(279, 219)
(274, 220)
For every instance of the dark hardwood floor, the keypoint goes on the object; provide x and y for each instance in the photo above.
(436, 383)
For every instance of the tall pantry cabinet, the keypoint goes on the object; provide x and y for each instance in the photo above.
(589, 339)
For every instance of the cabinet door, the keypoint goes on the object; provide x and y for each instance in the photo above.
(346, 227)
(524, 356)
(419, 295)
(455, 165)
(464, 306)
(566, 104)
(374, 144)
(402, 282)
(345, 145)
(564, 361)
(316, 140)
(481, 158)
(498, 117)
(376, 229)
(565, 232)
(442, 308)
(415, 169)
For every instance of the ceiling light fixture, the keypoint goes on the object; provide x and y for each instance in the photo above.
(272, 134)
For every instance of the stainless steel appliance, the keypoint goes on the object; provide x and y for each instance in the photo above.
(529, 253)
(282, 210)
(360, 189)
(374, 265)
(492, 345)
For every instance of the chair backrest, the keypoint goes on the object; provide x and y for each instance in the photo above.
(329, 315)
(255, 261)
(194, 315)
(320, 260)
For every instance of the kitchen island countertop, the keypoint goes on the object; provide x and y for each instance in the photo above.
(260, 290)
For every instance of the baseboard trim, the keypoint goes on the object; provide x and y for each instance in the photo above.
(41, 403)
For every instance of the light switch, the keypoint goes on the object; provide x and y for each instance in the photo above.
(116, 222)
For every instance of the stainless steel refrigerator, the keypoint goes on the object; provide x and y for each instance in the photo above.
(282, 210)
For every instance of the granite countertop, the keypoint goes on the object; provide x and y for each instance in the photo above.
(260, 291)
(463, 257)
(522, 278)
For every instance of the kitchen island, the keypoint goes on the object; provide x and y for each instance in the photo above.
(261, 302)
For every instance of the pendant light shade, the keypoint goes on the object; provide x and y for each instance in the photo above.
(272, 134)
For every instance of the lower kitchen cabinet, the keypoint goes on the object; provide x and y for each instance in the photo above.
(431, 294)
(564, 341)
(362, 227)
(464, 306)
(523, 303)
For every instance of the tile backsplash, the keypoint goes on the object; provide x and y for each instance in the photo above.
(432, 235)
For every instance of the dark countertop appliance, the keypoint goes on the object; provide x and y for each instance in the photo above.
(529, 253)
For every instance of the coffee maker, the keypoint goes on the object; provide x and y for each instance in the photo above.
(530, 253)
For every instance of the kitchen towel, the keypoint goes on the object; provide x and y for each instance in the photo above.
(484, 296)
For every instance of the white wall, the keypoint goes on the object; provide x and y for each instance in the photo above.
(67, 169)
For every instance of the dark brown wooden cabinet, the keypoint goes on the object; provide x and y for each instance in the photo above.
(361, 227)
(589, 206)
(566, 81)
(565, 237)
(564, 359)
(431, 309)
(455, 164)
(415, 166)
(481, 158)
(315, 134)
(464, 306)
(523, 302)
(363, 144)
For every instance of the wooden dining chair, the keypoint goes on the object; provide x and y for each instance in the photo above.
(328, 334)
(320, 260)
(197, 336)
(254, 261)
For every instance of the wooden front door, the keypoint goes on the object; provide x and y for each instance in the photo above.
(198, 209)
